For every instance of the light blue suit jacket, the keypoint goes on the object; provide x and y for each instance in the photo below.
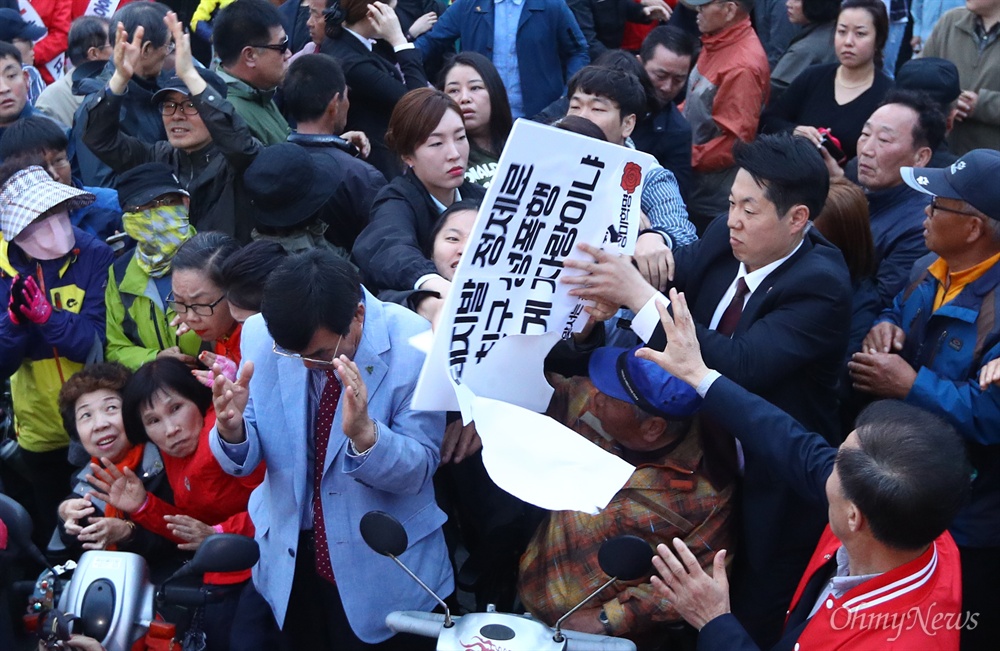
(394, 477)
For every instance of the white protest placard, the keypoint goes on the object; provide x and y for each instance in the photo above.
(553, 190)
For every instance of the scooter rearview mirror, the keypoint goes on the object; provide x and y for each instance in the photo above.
(19, 527)
(221, 552)
(383, 533)
(386, 536)
(626, 557)
(623, 558)
(225, 552)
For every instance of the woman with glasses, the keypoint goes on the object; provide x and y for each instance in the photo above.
(838, 96)
(378, 75)
(197, 296)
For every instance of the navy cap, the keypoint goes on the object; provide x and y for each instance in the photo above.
(213, 80)
(618, 373)
(147, 182)
(936, 77)
(13, 25)
(973, 178)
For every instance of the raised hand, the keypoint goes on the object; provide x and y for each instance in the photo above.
(230, 400)
(682, 355)
(121, 489)
(698, 597)
(126, 57)
(383, 18)
(357, 425)
(35, 307)
(187, 528)
(183, 61)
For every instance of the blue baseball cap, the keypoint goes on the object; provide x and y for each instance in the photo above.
(973, 178)
(618, 373)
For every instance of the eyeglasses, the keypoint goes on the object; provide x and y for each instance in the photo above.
(275, 348)
(169, 200)
(186, 108)
(280, 47)
(935, 206)
(200, 309)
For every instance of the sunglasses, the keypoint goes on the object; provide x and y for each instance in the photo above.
(280, 47)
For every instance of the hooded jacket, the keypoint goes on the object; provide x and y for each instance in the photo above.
(40, 358)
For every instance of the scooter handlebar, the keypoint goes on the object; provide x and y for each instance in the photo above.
(416, 622)
(430, 625)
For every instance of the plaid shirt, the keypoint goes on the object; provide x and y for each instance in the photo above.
(662, 500)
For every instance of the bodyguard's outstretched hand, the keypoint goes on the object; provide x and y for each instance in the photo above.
(609, 279)
(682, 355)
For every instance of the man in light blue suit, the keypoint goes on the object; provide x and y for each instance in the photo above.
(325, 587)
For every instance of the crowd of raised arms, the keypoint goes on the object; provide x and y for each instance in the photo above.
(221, 222)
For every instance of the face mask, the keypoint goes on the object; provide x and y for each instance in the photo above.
(158, 234)
(48, 239)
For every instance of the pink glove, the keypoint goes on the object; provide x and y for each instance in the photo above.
(35, 308)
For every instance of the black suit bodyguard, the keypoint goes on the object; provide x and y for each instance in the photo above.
(771, 301)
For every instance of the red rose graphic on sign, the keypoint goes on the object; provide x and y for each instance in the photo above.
(631, 177)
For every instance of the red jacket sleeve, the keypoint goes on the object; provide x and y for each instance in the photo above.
(736, 111)
(151, 517)
(56, 16)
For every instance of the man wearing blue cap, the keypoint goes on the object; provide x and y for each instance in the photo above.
(668, 495)
(927, 349)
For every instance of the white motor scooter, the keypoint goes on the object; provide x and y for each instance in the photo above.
(110, 596)
(623, 558)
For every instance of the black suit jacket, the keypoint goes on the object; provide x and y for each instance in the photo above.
(787, 348)
(375, 87)
(393, 250)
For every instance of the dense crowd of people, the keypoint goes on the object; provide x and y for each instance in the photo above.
(221, 222)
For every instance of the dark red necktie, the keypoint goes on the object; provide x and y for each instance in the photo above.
(731, 317)
(321, 438)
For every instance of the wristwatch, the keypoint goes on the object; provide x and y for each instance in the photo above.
(602, 617)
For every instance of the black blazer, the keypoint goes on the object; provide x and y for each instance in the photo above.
(787, 348)
(375, 87)
(391, 250)
(792, 336)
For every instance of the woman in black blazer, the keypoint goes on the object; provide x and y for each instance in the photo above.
(428, 133)
(380, 66)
